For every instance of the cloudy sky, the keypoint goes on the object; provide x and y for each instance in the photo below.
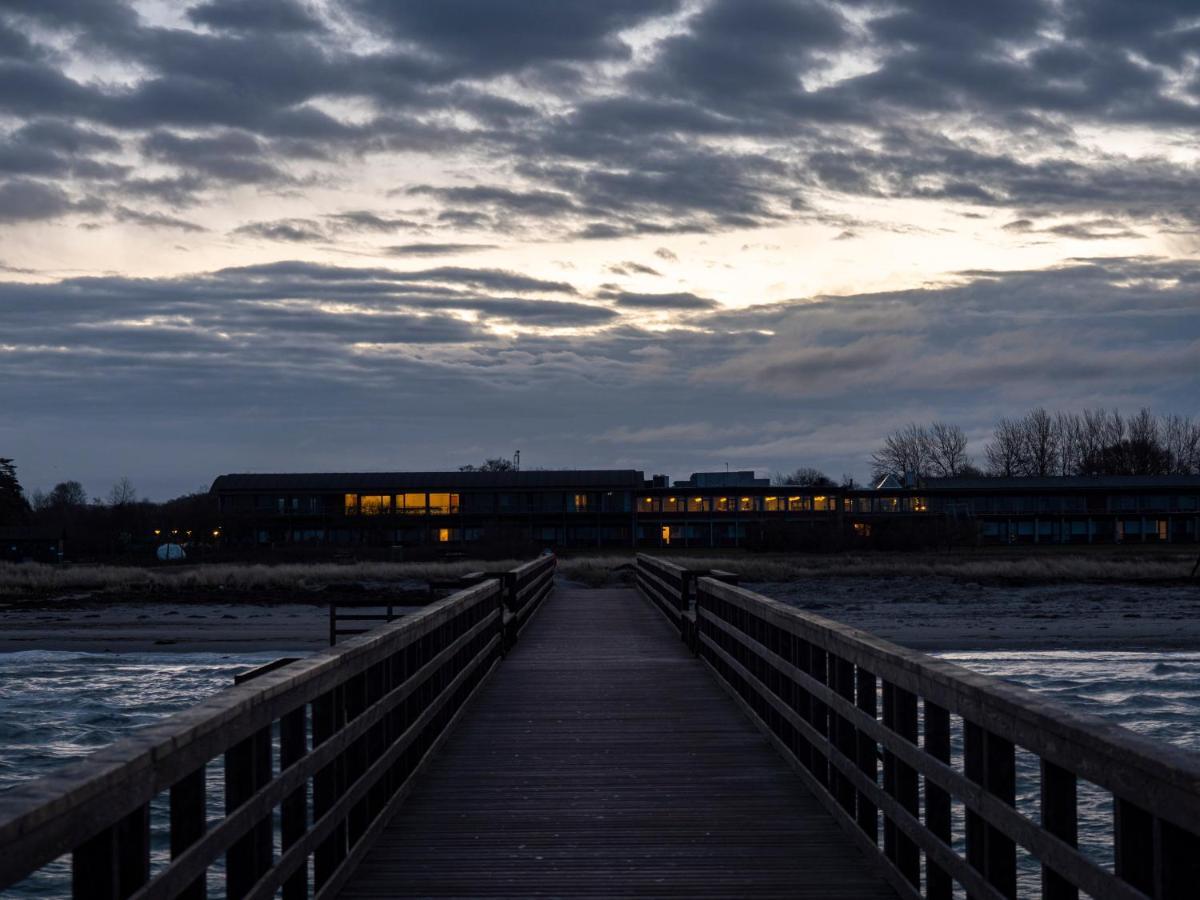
(388, 234)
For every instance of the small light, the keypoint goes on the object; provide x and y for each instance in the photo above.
(158, 531)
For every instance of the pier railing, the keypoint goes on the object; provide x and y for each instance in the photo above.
(837, 701)
(672, 588)
(310, 761)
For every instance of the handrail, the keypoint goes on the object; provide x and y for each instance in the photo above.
(672, 589)
(814, 687)
(348, 727)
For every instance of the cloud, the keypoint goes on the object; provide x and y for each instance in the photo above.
(296, 231)
(431, 249)
(678, 301)
(632, 268)
(22, 200)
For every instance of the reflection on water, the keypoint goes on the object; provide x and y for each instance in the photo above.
(58, 706)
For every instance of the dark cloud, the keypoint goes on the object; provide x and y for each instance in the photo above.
(632, 268)
(262, 15)
(24, 200)
(155, 220)
(431, 249)
(679, 301)
(295, 231)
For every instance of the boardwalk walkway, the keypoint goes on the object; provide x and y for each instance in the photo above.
(603, 760)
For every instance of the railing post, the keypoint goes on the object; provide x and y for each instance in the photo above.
(1133, 844)
(841, 673)
(990, 761)
(868, 754)
(114, 863)
(293, 812)
(900, 781)
(247, 769)
(188, 823)
(938, 885)
(327, 786)
(1059, 817)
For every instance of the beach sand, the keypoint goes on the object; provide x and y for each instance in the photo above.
(926, 613)
(943, 614)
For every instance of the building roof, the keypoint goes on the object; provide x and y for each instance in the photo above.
(1066, 482)
(400, 481)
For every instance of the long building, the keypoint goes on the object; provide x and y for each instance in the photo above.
(622, 508)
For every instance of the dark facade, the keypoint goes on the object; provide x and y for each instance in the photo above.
(621, 508)
(20, 544)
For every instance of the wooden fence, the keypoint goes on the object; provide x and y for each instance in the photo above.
(837, 702)
(315, 757)
(672, 589)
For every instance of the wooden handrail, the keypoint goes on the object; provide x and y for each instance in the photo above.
(349, 726)
(813, 686)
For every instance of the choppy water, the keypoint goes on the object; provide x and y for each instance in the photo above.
(58, 706)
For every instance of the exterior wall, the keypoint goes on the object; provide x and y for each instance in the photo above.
(745, 516)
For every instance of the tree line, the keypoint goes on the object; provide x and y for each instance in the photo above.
(1041, 443)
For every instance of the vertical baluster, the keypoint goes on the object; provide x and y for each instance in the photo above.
(356, 757)
(1060, 818)
(327, 719)
(841, 673)
(1178, 862)
(114, 863)
(867, 755)
(938, 885)
(1133, 836)
(293, 811)
(188, 823)
(900, 780)
(818, 661)
(991, 762)
(247, 769)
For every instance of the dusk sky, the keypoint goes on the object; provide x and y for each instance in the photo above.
(387, 234)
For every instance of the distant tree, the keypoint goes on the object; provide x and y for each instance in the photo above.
(1039, 444)
(1005, 452)
(498, 464)
(14, 507)
(122, 493)
(947, 448)
(907, 451)
(64, 495)
(1181, 443)
(805, 476)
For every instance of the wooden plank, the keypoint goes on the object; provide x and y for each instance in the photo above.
(602, 760)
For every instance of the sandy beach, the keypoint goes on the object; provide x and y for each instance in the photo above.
(927, 613)
(945, 614)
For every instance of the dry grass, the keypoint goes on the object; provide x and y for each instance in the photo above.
(44, 580)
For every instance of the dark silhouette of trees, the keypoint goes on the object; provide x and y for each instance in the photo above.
(805, 476)
(14, 508)
(497, 464)
(938, 449)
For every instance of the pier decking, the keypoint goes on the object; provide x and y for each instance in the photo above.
(602, 759)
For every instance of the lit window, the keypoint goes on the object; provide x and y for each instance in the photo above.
(723, 504)
(771, 504)
(666, 535)
(699, 504)
(375, 504)
(352, 504)
(443, 504)
(413, 504)
(746, 504)
(443, 535)
(799, 504)
(648, 504)
(821, 504)
(581, 503)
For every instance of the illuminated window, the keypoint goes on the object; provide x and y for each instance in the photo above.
(723, 504)
(581, 502)
(375, 504)
(699, 504)
(1162, 529)
(674, 504)
(443, 535)
(443, 504)
(822, 504)
(648, 504)
(747, 504)
(352, 504)
(411, 504)
(666, 535)
(862, 529)
(772, 504)
(799, 504)
(919, 504)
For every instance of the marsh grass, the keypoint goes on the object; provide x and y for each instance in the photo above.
(31, 579)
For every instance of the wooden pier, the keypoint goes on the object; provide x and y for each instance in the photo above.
(690, 739)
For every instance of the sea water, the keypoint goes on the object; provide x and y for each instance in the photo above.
(59, 706)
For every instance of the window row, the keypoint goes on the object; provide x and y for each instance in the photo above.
(735, 504)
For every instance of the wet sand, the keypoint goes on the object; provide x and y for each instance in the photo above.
(944, 614)
(926, 613)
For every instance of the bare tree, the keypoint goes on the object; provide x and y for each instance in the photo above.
(805, 476)
(947, 450)
(1181, 443)
(904, 452)
(122, 493)
(1039, 444)
(496, 464)
(1005, 452)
